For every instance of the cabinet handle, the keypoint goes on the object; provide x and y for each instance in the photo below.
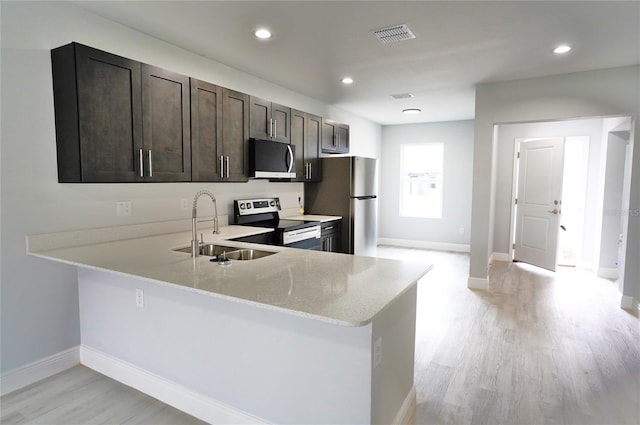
(310, 174)
(275, 129)
(227, 166)
(328, 228)
(306, 170)
(150, 165)
(270, 127)
(221, 167)
(141, 160)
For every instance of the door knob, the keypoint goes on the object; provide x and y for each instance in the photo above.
(554, 211)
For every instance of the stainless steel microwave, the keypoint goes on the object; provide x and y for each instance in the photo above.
(268, 159)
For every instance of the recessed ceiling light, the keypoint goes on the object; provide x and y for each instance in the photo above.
(412, 111)
(563, 48)
(347, 80)
(402, 96)
(263, 33)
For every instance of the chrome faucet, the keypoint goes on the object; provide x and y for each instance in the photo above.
(195, 244)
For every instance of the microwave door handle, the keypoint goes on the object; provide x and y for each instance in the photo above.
(291, 156)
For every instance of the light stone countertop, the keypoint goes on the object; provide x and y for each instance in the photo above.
(336, 288)
(313, 217)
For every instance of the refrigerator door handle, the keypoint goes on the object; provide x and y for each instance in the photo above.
(365, 197)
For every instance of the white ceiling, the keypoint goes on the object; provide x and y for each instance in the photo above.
(457, 45)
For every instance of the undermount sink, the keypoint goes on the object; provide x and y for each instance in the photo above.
(231, 253)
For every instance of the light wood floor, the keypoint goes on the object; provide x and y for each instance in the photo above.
(536, 348)
(81, 396)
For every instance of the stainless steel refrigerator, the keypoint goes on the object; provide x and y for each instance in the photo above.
(349, 188)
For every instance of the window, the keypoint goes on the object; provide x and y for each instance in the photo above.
(421, 180)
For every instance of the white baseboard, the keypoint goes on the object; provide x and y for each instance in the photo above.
(33, 372)
(627, 302)
(438, 246)
(408, 408)
(499, 256)
(607, 273)
(169, 392)
(477, 283)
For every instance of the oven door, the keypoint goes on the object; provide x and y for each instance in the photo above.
(312, 243)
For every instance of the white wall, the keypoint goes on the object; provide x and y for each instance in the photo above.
(612, 202)
(457, 137)
(39, 311)
(585, 94)
(279, 367)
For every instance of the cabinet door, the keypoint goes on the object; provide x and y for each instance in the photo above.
(331, 242)
(329, 139)
(206, 131)
(166, 126)
(342, 133)
(298, 138)
(260, 121)
(107, 116)
(235, 135)
(281, 116)
(335, 137)
(312, 148)
(270, 121)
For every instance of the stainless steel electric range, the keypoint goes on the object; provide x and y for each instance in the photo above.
(264, 212)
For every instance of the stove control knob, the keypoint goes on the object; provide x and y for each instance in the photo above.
(242, 205)
(272, 203)
(249, 206)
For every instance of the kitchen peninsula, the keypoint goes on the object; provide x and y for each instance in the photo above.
(298, 336)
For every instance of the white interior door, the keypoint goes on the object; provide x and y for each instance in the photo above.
(539, 202)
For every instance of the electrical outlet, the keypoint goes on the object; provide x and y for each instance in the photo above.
(377, 352)
(184, 204)
(123, 208)
(139, 298)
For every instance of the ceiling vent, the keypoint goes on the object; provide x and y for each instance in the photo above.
(402, 96)
(394, 33)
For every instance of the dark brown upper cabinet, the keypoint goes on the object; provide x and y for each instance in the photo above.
(118, 120)
(335, 137)
(98, 113)
(235, 135)
(306, 135)
(207, 164)
(219, 133)
(166, 152)
(270, 121)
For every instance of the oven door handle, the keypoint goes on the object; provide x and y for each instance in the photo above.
(307, 230)
(292, 159)
(292, 236)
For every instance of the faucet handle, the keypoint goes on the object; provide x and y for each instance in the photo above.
(216, 226)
